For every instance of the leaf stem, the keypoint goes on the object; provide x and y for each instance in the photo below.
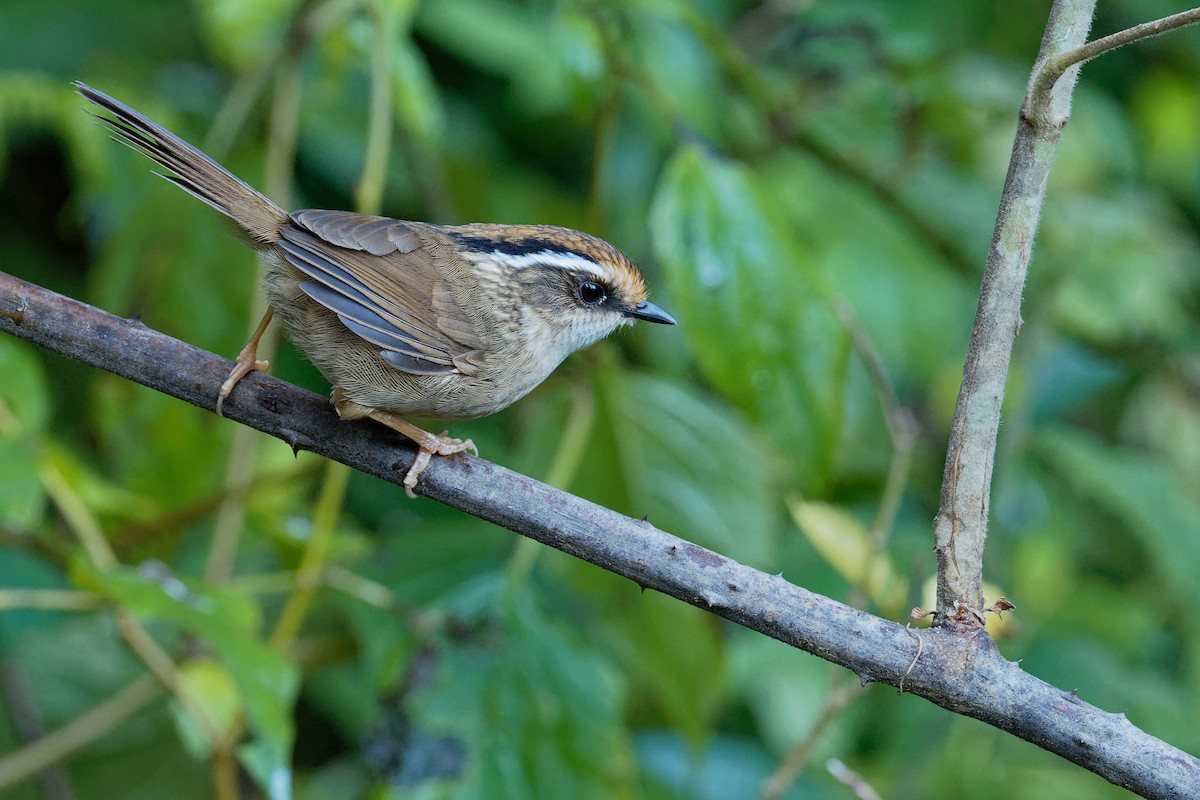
(49, 600)
(79, 732)
(368, 199)
(369, 195)
(243, 452)
(77, 516)
(316, 553)
(571, 448)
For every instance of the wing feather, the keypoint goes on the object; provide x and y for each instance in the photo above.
(385, 286)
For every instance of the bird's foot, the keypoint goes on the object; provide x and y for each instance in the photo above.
(247, 362)
(428, 444)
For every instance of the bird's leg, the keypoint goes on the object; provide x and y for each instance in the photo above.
(429, 445)
(441, 445)
(247, 360)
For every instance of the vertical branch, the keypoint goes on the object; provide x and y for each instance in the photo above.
(960, 528)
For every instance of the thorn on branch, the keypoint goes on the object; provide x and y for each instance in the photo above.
(298, 441)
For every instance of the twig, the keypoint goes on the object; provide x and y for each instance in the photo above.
(27, 720)
(962, 673)
(789, 769)
(843, 774)
(1053, 68)
(49, 599)
(316, 553)
(81, 731)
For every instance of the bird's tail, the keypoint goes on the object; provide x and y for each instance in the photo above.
(190, 169)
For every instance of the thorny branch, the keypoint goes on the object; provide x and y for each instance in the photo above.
(957, 669)
(965, 674)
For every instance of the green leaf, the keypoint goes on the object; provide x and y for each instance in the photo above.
(240, 30)
(24, 410)
(520, 42)
(731, 766)
(690, 465)
(209, 682)
(1130, 269)
(845, 543)
(755, 312)
(675, 656)
(1167, 112)
(227, 620)
(418, 106)
(784, 689)
(532, 711)
(1143, 493)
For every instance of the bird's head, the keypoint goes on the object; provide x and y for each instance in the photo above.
(578, 288)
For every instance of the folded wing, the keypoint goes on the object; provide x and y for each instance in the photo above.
(384, 286)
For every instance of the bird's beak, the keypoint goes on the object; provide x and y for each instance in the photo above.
(649, 312)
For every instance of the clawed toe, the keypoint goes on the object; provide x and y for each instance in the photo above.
(448, 446)
(240, 370)
(429, 445)
(414, 472)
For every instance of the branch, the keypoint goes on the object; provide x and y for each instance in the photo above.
(1053, 68)
(960, 528)
(965, 674)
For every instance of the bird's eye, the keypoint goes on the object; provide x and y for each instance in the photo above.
(592, 293)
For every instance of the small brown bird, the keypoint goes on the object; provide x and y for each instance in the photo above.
(447, 322)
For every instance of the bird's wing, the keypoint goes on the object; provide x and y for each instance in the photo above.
(385, 285)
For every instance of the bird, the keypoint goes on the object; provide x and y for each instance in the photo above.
(408, 318)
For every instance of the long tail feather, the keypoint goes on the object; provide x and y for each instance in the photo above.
(190, 169)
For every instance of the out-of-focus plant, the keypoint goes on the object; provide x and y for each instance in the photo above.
(767, 164)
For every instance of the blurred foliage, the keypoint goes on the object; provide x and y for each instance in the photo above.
(764, 162)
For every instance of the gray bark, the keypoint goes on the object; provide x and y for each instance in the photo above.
(962, 672)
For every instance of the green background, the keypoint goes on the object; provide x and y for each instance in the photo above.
(762, 163)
